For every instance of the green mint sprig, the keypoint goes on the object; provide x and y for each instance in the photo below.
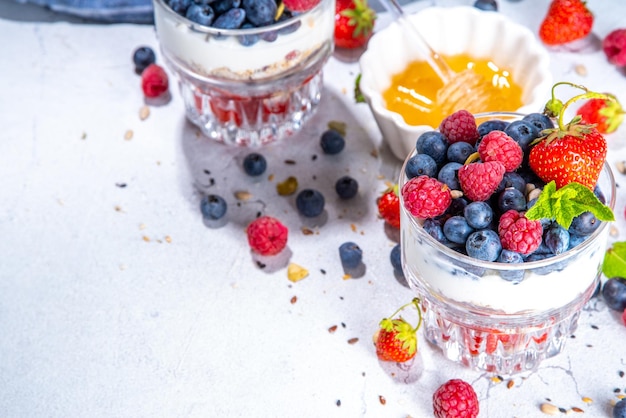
(614, 264)
(566, 203)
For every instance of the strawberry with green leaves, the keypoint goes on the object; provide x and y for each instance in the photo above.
(607, 115)
(396, 339)
(354, 23)
(389, 206)
(566, 21)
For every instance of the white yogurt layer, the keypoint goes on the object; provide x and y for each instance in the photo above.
(204, 54)
(536, 292)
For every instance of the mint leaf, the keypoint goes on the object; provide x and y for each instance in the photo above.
(614, 264)
(564, 204)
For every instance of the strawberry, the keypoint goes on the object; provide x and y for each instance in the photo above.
(389, 206)
(354, 23)
(607, 115)
(396, 339)
(574, 153)
(565, 21)
(300, 5)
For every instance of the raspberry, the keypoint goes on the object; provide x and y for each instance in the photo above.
(267, 236)
(154, 81)
(614, 46)
(426, 197)
(455, 399)
(519, 234)
(460, 126)
(498, 146)
(479, 180)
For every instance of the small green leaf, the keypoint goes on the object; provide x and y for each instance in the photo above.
(358, 95)
(614, 264)
(564, 204)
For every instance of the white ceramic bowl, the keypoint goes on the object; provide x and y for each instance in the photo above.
(452, 31)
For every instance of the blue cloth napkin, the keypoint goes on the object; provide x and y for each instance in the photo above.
(111, 11)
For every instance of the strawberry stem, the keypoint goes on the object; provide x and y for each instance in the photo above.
(415, 302)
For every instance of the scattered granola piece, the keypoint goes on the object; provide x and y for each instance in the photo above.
(243, 195)
(353, 340)
(295, 273)
(621, 167)
(382, 399)
(145, 238)
(144, 112)
(549, 409)
(168, 239)
(332, 329)
(580, 69)
(510, 384)
(128, 135)
(294, 299)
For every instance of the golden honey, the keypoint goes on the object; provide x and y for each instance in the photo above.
(413, 92)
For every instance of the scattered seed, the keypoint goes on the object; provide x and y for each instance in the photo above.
(146, 238)
(270, 177)
(294, 299)
(120, 185)
(621, 167)
(353, 227)
(549, 409)
(290, 162)
(261, 265)
(243, 195)
(496, 379)
(346, 277)
(577, 409)
(562, 410)
(587, 400)
(353, 340)
(510, 384)
(382, 399)
(307, 231)
(144, 112)
(168, 239)
(338, 402)
(594, 327)
(580, 69)
(332, 329)
(620, 373)
(128, 135)
(322, 271)
(295, 272)
(84, 135)
(118, 208)
(617, 390)
(614, 232)
(343, 324)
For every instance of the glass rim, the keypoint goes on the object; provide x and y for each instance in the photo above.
(209, 30)
(493, 265)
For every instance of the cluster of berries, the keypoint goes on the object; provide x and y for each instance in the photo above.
(243, 14)
(472, 186)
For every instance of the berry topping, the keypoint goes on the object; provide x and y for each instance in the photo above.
(202, 14)
(332, 142)
(267, 235)
(455, 399)
(310, 203)
(346, 187)
(433, 144)
(389, 206)
(254, 164)
(396, 339)
(479, 180)
(154, 81)
(259, 12)
(426, 197)
(460, 126)
(142, 57)
(421, 165)
(498, 146)
(351, 255)
(519, 234)
(565, 21)
(614, 46)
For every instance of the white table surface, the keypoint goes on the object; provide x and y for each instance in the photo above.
(116, 300)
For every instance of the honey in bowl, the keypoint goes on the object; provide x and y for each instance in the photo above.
(413, 92)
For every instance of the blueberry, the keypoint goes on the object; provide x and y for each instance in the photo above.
(598, 192)
(351, 255)
(286, 15)
(310, 203)
(512, 179)
(433, 227)
(523, 132)
(231, 19)
(222, 6)
(200, 14)
(539, 120)
(512, 257)
(248, 39)
(459, 151)
(396, 258)
(484, 245)
(213, 207)
(433, 143)
(614, 293)
(584, 224)
(260, 12)
(142, 57)
(491, 125)
(556, 238)
(487, 5)
(456, 229)
(269, 36)
(575, 240)
(478, 215)
(420, 165)
(449, 175)
(619, 410)
(332, 142)
(254, 164)
(346, 187)
(179, 6)
(544, 269)
(511, 198)
(457, 206)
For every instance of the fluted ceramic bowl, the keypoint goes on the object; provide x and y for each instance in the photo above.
(452, 31)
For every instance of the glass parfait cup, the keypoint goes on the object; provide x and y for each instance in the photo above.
(248, 86)
(496, 317)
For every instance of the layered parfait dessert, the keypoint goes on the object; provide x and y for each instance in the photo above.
(250, 72)
(503, 234)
